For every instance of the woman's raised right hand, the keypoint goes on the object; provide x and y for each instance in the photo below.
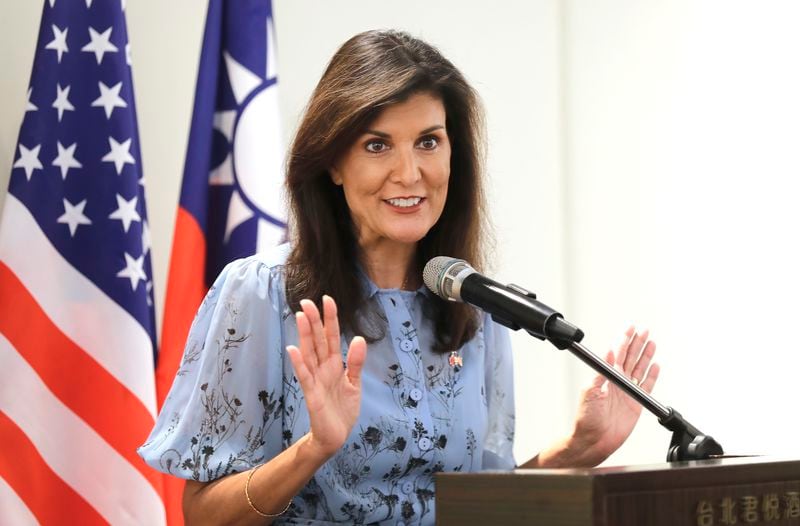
(332, 393)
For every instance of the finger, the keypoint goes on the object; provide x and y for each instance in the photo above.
(610, 358)
(599, 380)
(356, 356)
(302, 373)
(306, 342)
(317, 331)
(332, 334)
(622, 349)
(650, 380)
(641, 366)
(634, 350)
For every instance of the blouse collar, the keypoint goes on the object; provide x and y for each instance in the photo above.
(370, 288)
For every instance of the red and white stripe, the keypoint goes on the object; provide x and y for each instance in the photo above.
(77, 392)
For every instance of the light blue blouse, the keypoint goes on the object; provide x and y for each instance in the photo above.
(236, 403)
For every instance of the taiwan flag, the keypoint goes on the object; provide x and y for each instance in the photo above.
(231, 202)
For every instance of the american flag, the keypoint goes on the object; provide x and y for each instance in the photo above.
(231, 202)
(77, 329)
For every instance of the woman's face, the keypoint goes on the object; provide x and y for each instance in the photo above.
(395, 174)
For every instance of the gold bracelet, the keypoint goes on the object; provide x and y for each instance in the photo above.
(250, 502)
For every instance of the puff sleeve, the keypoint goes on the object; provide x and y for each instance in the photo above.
(224, 411)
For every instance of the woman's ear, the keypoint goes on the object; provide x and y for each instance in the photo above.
(336, 176)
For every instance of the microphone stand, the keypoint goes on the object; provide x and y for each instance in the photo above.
(688, 442)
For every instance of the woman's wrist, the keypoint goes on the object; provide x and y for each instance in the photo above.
(563, 454)
(584, 453)
(315, 450)
(570, 452)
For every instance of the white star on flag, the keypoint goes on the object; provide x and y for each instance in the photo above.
(30, 106)
(73, 216)
(66, 159)
(62, 102)
(126, 212)
(59, 42)
(109, 98)
(133, 270)
(146, 241)
(100, 44)
(88, 4)
(119, 154)
(28, 160)
(128, 53)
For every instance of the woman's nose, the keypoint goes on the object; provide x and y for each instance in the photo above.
(406, 170)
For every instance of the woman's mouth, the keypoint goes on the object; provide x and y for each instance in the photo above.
(404, 202)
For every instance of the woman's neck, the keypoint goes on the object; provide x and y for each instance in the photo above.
(391, 265)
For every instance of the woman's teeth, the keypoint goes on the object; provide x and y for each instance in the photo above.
(404, 203)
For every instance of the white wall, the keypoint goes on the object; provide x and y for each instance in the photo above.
(641, 169)
(683, 127)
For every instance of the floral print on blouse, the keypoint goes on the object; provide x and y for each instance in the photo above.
(235, 402)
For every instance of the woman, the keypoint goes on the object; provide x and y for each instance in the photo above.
(384, 173)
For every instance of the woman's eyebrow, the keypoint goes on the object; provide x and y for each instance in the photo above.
(431, 129)
(385, 135)
(380, 134)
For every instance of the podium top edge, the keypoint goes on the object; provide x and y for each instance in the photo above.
(644, 468)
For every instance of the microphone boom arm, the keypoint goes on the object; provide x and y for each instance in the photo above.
(687, 443)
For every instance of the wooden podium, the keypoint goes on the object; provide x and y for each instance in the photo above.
(740, 491)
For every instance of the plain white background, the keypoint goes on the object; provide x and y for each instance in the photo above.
(642, 169)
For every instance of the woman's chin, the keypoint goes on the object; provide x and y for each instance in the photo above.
(392, 239)
(409, 237)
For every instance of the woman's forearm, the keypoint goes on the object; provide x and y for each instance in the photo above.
(271, 488)
(563, 454)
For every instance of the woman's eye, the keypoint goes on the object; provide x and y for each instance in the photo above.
(376, 146)
(429, 143)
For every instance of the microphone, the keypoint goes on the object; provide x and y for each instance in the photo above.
(510, 305)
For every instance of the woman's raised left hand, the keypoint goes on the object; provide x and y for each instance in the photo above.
(607, 415)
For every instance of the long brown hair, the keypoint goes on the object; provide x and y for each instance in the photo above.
(369, 72)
